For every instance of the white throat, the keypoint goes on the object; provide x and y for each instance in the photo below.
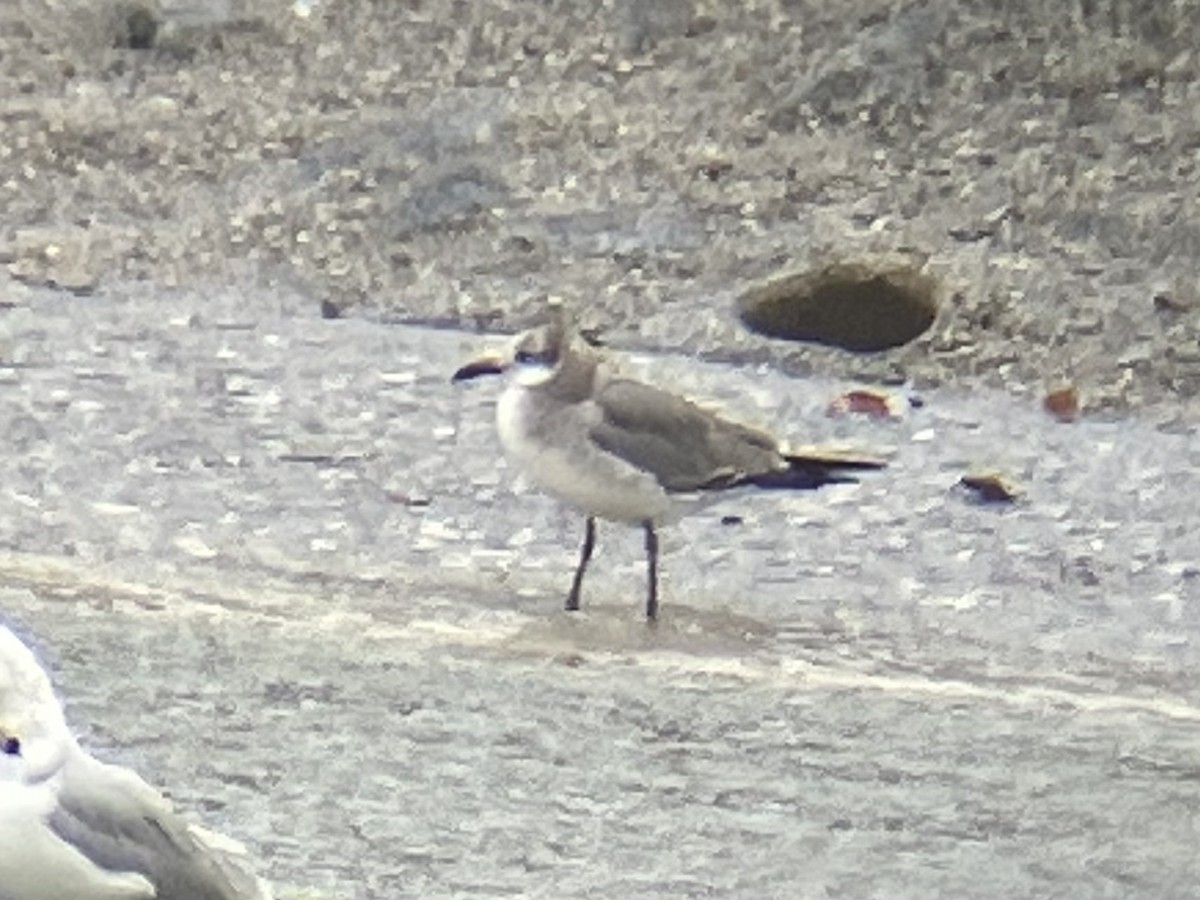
(530, 376)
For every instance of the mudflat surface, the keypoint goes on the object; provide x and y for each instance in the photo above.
(276, 565)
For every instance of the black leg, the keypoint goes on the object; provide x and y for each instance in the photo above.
(651, 571)
(589, 541)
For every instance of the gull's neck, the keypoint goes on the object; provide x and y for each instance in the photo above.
(579, 373)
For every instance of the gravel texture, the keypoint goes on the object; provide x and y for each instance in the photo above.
(459, 162)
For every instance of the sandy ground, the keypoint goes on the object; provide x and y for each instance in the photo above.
(274, 562)
(459, 162)
(309, 600)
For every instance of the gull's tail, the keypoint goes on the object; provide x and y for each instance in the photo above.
(809, 471)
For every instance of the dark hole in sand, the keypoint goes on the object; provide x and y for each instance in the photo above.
(853, 306)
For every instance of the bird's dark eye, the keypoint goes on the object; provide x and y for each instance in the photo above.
(10, 746)
(547, 357)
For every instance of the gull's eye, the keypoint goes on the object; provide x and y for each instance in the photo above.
(10, 746)
(542, 357)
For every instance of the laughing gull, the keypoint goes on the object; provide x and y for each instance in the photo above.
(74, 827)
(627, 451)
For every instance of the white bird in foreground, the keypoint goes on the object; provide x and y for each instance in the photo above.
(627, 451)
(74, 828)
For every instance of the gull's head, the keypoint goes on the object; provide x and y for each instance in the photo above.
(32, 726)
(537, 355)
(533, 358)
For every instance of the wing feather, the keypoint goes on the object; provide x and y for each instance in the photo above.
(685, 447)
(122, 824)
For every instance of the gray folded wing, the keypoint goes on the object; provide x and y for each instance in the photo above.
(119, 822)
(682, 445)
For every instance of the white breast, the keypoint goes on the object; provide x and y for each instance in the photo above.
(551, 444)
